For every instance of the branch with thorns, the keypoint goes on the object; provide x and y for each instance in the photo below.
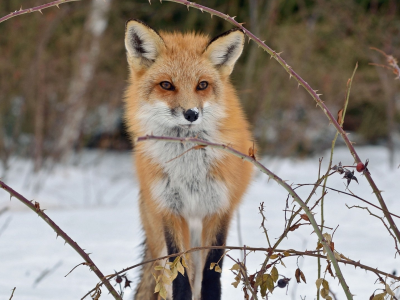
(34, 9)
(40, 212)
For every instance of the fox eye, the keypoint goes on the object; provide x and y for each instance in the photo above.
(202, 85)
(166, 85)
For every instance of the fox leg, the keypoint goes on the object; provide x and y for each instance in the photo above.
(214, 233)
(177, 239)
(154, 248)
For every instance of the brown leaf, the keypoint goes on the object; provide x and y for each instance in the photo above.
(340, 117)
(218, 269)
(294, 227)
(297, 275)
(304, 217)
(303, 277)
(328, 268)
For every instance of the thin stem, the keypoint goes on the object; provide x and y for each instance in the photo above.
(12, 294)
(36, 208)
(341, 121)
(282, 183)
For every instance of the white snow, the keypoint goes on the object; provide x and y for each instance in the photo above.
(95, 201)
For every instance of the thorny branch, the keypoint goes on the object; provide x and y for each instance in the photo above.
(34, 9)
(40, 212)
(313, 94)
(281, 182)
(314, 253)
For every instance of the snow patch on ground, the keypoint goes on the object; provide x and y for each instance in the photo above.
(95, 202)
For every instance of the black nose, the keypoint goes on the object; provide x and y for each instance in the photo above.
(191, 115)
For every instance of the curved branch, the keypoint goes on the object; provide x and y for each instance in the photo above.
(36, 208)
(34, 9)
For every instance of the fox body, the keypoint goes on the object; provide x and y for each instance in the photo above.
(179, 87)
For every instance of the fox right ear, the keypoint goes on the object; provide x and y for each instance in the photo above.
(143, 44)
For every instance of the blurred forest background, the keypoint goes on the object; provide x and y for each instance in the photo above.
(63, 72)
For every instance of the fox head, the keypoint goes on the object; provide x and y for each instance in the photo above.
(179, 80)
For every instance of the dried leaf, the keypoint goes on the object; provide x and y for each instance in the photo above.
(318, 282)
(273, 256)
(297, 275)
(218, 269)
(158, 268)
(212, 265)
(319, 246)
(303, 277)
(180, 268)
(286, 253)
(324, 293)
(163, 292)
(380, 296)
(294, 227)
(235, 267)
(327, 237)
(389, 290)
(340, 117)
(270, 283)
(166, 279)
(184, 262)
(176, 260)
(325, 284)
(328, 268)
(235, 283)
(157, 288)
(263, 289)
(274, 274)
(336, 254)
(304, 217)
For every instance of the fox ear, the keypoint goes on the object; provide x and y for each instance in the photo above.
(143, 44)
(224, 50)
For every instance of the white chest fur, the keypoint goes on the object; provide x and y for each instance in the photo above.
(187, 188)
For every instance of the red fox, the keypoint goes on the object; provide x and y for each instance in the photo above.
(179, 87)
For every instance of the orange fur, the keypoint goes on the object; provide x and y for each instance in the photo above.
(182, 62)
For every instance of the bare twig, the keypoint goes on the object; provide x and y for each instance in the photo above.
(34, 9)
(383, 221)
(349, 194)
(281, 182)
(40, 212)
(12, 294)
(246, 280)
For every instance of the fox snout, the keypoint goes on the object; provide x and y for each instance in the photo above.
(191, 114)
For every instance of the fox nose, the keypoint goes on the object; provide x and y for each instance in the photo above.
(191, 114)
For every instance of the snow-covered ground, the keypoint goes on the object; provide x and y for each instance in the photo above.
(95, 201)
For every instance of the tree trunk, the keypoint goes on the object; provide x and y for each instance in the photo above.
(76, 104)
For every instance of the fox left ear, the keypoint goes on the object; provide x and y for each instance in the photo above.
(224, 50)
(143, 44)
